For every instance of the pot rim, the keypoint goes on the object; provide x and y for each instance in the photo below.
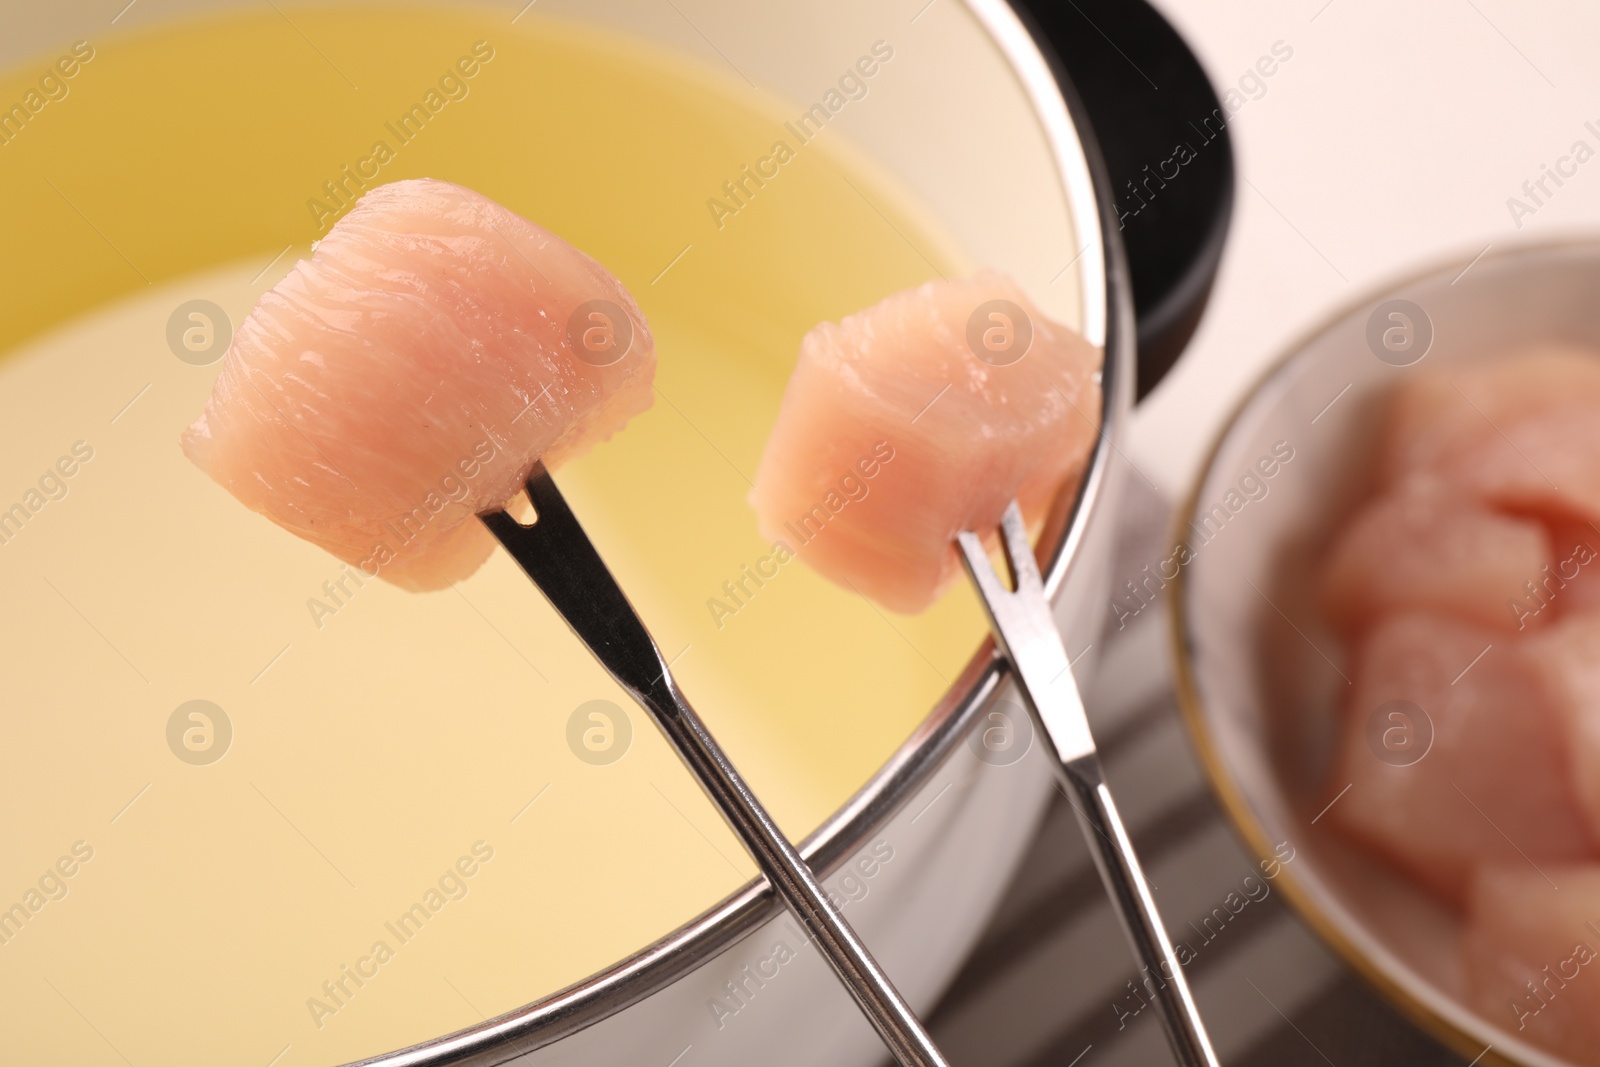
(1108, 321)
(1230, 795)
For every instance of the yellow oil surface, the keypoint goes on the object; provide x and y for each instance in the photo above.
(395, 814)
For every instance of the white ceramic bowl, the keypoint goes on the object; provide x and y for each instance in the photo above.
(1255, 666)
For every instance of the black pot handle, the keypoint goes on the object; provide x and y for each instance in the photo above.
(1163, 135)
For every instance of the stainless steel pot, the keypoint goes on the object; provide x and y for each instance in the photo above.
(990, 145)
(955, 824)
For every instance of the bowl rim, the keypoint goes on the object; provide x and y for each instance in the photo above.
(1108, 321)
(1192, 708)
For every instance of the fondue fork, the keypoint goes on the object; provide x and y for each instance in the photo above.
(1025, 631)
(563, 563)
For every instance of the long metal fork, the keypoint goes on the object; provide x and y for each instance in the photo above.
(558, 556)
(1026, 633)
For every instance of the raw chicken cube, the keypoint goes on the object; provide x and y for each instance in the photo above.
(1532, 954)
(1546, 464)
(1415, 549)
(920, 417)
(1494, 784)
(409, 374)
(1565, 659)
(1435, 413)
(1572, 585)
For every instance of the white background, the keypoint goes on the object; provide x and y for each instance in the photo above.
(1390, 141)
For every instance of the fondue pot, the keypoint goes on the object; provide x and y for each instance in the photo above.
(1008, 127)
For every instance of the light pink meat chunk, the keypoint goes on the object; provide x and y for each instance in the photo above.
(1494, 787)
(1532, 954)
(1433, 551)
(1573, 583)
(1546, 464)
(409, 374)
(1522, 432)
(1566, 664)
(1435, 412)
(894, 434)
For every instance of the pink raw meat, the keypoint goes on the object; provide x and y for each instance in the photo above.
(408, 375)
(1532, 954)
(1547, 464)
(1573, 584)
(1521, 432)
(1432, 551)
(1436, 412)
(894, 434)
(1566, 664)
(1494, 787)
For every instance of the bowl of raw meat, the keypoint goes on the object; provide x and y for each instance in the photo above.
(1387, 623)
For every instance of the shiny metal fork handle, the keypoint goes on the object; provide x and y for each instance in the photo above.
(563, 563)
(1025, 631)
